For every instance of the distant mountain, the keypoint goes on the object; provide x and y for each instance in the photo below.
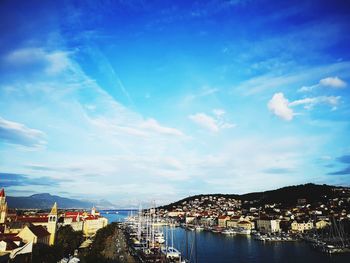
(45, 201)
(286, 196)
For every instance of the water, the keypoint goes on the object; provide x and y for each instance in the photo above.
(217, 248)
(117, 215)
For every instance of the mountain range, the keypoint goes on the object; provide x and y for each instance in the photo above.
(45, 201)
(286, 196)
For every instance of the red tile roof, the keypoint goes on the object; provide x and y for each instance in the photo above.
(73, 214)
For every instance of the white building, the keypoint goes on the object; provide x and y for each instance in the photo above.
(268, 225)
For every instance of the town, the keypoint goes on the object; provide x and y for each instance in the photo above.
(324, 220)
(315, 214)
(20, 231)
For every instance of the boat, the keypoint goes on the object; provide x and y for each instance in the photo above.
(216, 230)
(199, 228)
(228, 232)
(242, 231)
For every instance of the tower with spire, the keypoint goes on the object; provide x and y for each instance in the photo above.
(3, 206)
(52, 223)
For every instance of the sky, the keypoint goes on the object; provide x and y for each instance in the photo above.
(138, 101)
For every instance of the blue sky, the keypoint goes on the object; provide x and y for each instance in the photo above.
(134, 101)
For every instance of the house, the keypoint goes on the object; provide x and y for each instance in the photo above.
(93, 223)
(301, 226)
(35, 234)
(245, 224)
(222, 220)
(321, 224)
(233, 221)
(268, 225)
(190, 219)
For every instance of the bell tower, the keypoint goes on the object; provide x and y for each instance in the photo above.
(52, 224)
(3, 207)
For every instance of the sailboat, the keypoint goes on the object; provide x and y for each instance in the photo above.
(170, 252)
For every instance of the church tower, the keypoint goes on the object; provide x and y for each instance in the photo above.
(3, 207)
(52, 224)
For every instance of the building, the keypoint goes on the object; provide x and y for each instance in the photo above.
(222, 220)
(52, 224)
(301, 226)
(268, 225)
(190, 219)
(8, 242)
(3, 206)
(93, 223)
(74, 219)
(233, 221)
(245, 225)
(7, 245)
(48, 221)
(35, 234)
(321, 224)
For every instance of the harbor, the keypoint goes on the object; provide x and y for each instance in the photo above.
(206, 245)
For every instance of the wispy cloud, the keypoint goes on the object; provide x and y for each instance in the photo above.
(341, 172)
(52, 62)
(309, 103)
(13, 179)
(154, 126)
(332, 82)
(344, 159)
(205, 121)
(212, 123)
(17, 133)
(274, 81)
(203, 92)
(281, 107)
(278, 170)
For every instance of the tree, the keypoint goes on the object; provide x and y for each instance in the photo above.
(45, 254)
(67, 240)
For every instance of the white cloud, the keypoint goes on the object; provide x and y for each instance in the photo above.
(205, 121)
(52, 62)
(307, 88)
(333, 82)
(203, 92)
(154, 126)
(17, 133)
(309, 103)
(279, 105)
(272, 82)
(213, 124)
(219, 112)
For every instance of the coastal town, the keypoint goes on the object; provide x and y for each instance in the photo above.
(220, 212)
(147, 235)
(323, 222)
